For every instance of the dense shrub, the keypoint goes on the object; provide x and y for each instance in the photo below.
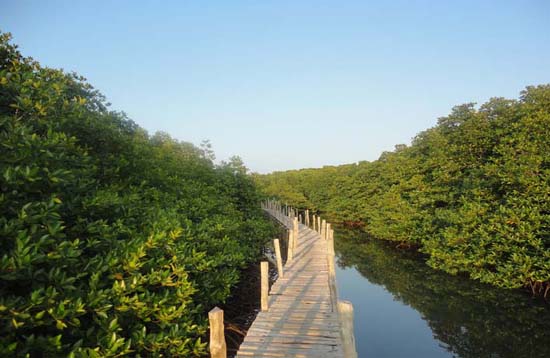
(472, 192)
(112, 242)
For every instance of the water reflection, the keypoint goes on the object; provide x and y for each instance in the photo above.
(467, 319)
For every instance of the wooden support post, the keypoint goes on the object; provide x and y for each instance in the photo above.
(218, 348)
(314, 222)
(296, 232)
(327, 231)
(264, 270)
(332, 270)
(324, 229)
(290, 245)
(345, 312)
(307, 217)
(330, 242)
(278, 257)
(319, 224)
(300, 218)
(315, 226)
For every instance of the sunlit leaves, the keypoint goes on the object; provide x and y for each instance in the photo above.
(112, 242)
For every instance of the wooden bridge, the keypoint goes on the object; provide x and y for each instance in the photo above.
(300, 316)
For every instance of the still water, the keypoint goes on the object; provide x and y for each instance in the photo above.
(404, 309)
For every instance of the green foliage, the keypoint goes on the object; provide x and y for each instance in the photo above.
(472, 192)
(113, 242)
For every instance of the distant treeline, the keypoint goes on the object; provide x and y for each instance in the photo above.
(473, 192)
(112, 242)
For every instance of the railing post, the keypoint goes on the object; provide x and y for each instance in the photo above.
(323, 229)
(264, 271)
(331, 269)
(319, 224)
(290, 245)
(278, 257)
(307, 217)
(296, 232)
(345, 313)
(218, 348)
(330, 242)
(327, 231)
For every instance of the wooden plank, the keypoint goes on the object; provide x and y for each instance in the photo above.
(274, 338)
(313, 324)
(293, 346)
(310, 326)
(288, 351)
(263, 332)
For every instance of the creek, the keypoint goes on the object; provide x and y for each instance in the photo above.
(405, 309)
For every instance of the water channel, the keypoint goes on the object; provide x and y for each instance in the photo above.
(405, 309)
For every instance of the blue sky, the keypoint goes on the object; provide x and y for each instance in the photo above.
(290, 84)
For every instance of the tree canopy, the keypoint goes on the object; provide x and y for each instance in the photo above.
(473, 192)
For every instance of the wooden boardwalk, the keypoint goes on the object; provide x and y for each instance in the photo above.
(302, 319)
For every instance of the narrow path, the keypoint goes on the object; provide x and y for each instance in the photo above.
(302, 320)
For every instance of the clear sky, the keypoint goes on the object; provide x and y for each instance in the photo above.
(290, 84)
